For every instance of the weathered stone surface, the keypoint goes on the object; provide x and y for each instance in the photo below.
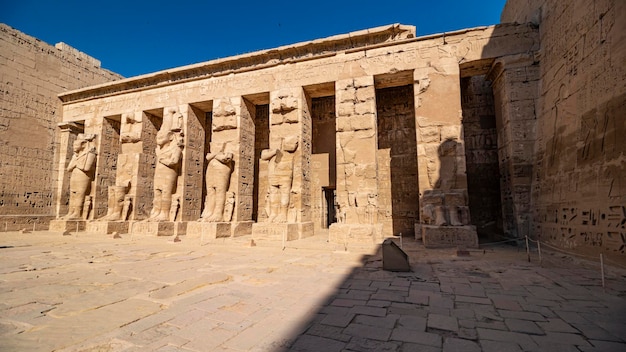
(107, 227)
(447, 236)
(160, 228)
(207, 231)
(282, 232)
(67, 225)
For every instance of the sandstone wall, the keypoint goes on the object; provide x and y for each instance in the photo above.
(32, 73)
(579, 179)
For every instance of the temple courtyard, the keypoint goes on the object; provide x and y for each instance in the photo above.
(87, 292)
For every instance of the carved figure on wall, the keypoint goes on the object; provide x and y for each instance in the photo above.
(442, 210)
(87, 207)
(117, 195)
(448, 168)
(174, 208)
(280, 178)
(82, 168)
(229, 207)
(128, 206)
(372, 208)
(219, 168)
(169, 151)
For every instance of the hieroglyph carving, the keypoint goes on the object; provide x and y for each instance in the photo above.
(82, 168)
(169, 150)
(220, 166)
(280, 178)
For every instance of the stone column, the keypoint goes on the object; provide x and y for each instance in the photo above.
(162, 187)
(66, 136)
(108, 147)
(357, 167)
(442, 181)
(288, 164)
(123, 192)
(192, 170)
(514, 82)
(227, 207)
(76, 175)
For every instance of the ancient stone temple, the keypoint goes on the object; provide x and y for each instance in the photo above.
(357, 136)
(486, 133)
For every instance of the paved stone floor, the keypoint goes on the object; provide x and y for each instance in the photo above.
(96, 293)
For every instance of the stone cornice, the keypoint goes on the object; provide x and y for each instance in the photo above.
(304, 51)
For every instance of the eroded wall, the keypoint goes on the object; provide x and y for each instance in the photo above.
(579, 179)
(32, 73)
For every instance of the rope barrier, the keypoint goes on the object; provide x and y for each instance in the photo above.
(582, 256)
(492, 243)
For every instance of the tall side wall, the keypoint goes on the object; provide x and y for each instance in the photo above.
(579, 179)
(32, 73)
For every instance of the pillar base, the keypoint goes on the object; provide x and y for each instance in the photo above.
(447, 236)
(278, 232)
(158, 228)
(107, 227)
(355, 233)
(241, 228)
(208, 230)
(67, 225)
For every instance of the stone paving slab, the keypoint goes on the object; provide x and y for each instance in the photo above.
(89, 292)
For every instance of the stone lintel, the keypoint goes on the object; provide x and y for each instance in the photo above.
(447, 236)
(318, 48)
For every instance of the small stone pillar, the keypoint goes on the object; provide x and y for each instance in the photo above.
(287, 188)
(357, 185)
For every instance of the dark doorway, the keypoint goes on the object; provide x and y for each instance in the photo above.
(481, 153)
(398, 197)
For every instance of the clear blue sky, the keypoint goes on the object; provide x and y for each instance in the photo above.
(136, 37)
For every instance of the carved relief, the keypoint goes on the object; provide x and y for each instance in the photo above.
(82, 168)
(218, 171)
(117, 196)
(170, 144)
(280, 177)
(229, 207)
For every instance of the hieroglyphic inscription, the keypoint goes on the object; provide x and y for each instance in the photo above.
(600, 227)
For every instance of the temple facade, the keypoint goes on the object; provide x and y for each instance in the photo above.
(482, 134)
(359, 136)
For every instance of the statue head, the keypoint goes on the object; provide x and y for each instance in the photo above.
(79, 145)
(82, 142)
